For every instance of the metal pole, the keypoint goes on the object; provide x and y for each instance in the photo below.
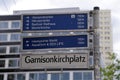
(96, 43)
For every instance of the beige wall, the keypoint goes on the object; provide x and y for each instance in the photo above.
(106, 43)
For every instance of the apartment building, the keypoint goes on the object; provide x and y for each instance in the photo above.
(106, 41)
(10, 47)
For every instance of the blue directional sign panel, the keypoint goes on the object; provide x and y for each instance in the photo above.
(79, 41)
(55, 22)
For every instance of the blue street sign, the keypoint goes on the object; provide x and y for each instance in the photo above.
(79, 41)
(55, 22)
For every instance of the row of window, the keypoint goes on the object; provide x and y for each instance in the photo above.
(13, 77)
(9, 49)
(106, 37)
(104, 12)
(9, 37)
(9, 25)
(105, 48)
(103, 43)
(105, 33)
(105, 23)
(105, 27)
(14, 63)
(11, 63)
(79, 75)
(104, 18)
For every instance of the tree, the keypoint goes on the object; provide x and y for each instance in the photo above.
(111, 71)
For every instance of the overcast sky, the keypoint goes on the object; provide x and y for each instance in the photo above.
(7, 7)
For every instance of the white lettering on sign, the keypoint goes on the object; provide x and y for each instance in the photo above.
(49, 42)
(46, 20)
(41, 17)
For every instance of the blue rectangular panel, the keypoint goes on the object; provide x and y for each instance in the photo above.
(55, 22)
(55, 42)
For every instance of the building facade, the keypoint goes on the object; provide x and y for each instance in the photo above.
(105, 31)
(10, 56)
(10, 44)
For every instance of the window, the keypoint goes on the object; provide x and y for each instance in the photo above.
(82, 76)
(55, 76)
(101, 37)
(16, 77)
(101, 23)
(20, 77)
(107, 32)
(15, 25)
(11, 77)
(107, 27)
(101, 32)
(32, 76)
(3, 25)
(38, 76)
(65, 76)
(77, 76)
(87, 76)
(60, 76)
(13, 63)
(106, 23)
(15, 37)
(107, 37)
(91, 60)
(2, 63)
(107, 48)
(2, 49)
(1, 76)
(14, 49)
(101, 28)
(3, 37)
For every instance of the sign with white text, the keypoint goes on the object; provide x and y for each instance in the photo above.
(51, 42)
(38, 61)
(78, 21)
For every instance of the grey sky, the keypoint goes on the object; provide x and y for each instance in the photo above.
(113, 5)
